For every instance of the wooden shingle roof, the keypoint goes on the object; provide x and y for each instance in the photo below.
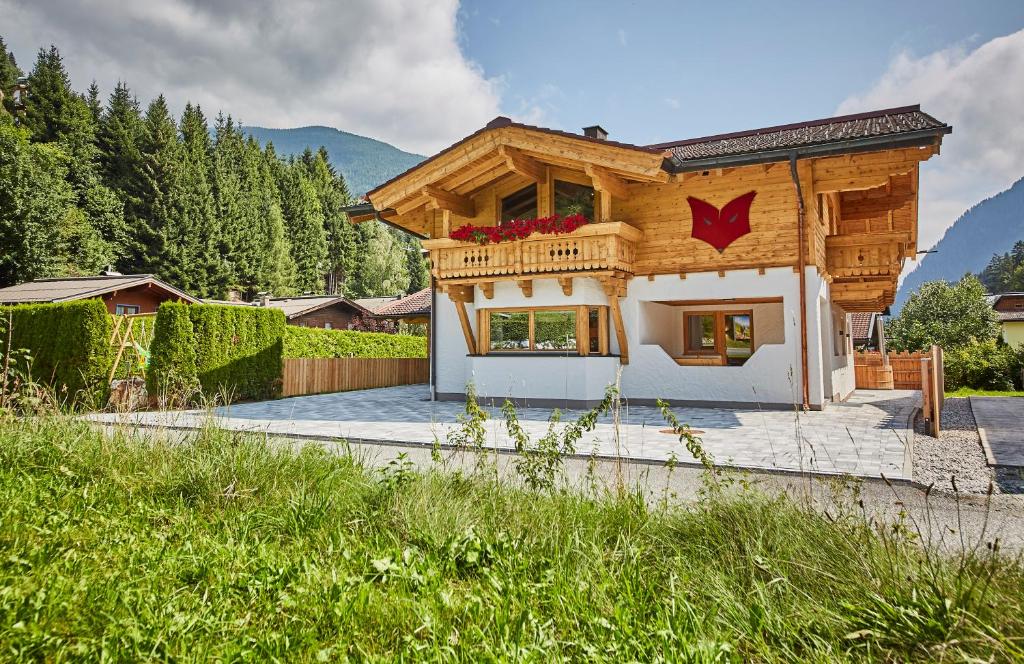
(66, 289)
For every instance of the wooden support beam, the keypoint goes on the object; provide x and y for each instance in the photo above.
(620, 329)
(526, 285)
(417, 202)
(458, 292)
(566, 284)
(519, 163)
(467, 329)
(447, 200)
(607, 182)
(487, 288)
(446, 223)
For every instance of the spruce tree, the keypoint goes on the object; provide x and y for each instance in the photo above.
(280, 266)
(159, 232)
(121, 165)
(92, 100)
(304, 219)
(9, 75)
(415, 264)
(206, 274)
(342, 239)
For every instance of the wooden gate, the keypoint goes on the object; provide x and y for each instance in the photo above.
(341, 374)
(906, 371)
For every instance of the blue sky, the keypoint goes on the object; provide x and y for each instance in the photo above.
(656, 71)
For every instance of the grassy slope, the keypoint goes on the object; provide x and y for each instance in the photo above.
(225, 548)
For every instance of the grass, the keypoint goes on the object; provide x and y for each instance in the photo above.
(226, 548)
(972, 392)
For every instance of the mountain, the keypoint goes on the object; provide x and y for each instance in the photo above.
(990, 227)
(365, 162)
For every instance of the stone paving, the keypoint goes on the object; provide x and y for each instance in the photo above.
(868, 435)
(1001, 426)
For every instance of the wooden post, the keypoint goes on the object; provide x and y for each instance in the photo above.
(467, 329)
(620, 329)
(881, 340)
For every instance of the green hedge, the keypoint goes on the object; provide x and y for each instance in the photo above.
(68, 345)
(315, 342)
(226, 350)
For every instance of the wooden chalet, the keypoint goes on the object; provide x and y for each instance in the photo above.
(121, 293)
(719, 270)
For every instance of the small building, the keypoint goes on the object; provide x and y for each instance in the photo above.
(413, 309)
(122, 293)
(1010, 309)
(716, 271)
(329, 312)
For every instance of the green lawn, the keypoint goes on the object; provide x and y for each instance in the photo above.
(226, 549)
(972, 392)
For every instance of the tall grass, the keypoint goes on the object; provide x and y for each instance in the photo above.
(226, 547)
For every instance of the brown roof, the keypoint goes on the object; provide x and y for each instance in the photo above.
(412, 305)
(66, 289)
(887, 122)
(1010, 316)
(861, 323)
(307, 304)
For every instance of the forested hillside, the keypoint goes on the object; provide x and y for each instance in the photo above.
(86, 183)
(363, 161)
(991, 227)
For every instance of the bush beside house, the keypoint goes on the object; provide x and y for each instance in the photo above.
(214, 349)
(315, 342)
(65, 346)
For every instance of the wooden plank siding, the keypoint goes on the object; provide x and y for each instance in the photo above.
(342, 374)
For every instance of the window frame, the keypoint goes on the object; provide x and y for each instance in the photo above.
(582, 312)
(720, 351)
(118, 309)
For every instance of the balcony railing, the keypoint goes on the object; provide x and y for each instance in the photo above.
(595, 247)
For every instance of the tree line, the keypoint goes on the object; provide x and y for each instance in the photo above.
(85, 185)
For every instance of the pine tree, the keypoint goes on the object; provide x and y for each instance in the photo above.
(158, 232)
(121, 166)
(304, 219)
(9, 75)
(92, 100)
(280, 266)
(205, 274)
(342, 239)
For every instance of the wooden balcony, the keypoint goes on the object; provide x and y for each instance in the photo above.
(601, 247)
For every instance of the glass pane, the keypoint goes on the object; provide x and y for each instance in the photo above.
(738, 339)
(520, 205)
(594, 325)
(571, 198)
(700, 334)
(510, 330)
(554, 330)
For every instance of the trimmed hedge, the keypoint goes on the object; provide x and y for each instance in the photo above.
(68, 344)
(315, 342)
(216, 349)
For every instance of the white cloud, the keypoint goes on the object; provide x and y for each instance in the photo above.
(980, 93)
(389, 69)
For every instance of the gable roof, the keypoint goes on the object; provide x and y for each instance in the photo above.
(903, 126)
(66, 289)
(307, 304)
(862, 324)
(416, 304)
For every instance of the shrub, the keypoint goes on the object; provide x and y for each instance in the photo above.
(142, 331)
(984, 365)
(229, 350)
(314, 342)
(67, 346)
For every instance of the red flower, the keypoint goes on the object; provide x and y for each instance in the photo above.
(518, 229)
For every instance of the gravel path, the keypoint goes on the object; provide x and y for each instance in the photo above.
(957, 452)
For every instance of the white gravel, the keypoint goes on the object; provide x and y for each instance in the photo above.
(956, 453)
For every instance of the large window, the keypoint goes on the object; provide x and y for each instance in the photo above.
(719, 337)
(576, 330)
(123, 309)
(520, 205)
(572, 198)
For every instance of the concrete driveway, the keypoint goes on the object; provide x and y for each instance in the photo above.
(867, 436)
(1001, 427)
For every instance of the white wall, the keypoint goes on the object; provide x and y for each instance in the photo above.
(770, 376)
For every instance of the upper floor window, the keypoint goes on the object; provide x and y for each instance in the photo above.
(122, 309)
(572, 198)
(520, 205)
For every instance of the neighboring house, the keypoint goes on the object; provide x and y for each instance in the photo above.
(718, 270)
(864, 330)
(414, 308)
(1010, 309)
(330, 312)
(122, 293)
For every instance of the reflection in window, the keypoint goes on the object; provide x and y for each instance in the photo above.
(572, 198)
(738, 338)
(510, 330)
(554, 330)
(594, 327)
(700, 333)
(520, 205)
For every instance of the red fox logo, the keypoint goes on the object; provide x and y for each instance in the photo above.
(720, 228)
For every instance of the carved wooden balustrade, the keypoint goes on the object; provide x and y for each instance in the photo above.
(595, 247)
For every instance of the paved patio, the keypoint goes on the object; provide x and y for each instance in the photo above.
(1001, 426)
(868, 435)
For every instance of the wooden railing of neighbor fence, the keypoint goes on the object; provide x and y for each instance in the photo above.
(906, 371)
(341, 374)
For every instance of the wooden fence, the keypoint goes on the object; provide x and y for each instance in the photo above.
(906, 371)
(341, 374)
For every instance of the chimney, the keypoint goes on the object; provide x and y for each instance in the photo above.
(110, 272)
(595, 131)
(263, 299)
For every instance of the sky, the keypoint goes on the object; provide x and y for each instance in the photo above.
(421, 74)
